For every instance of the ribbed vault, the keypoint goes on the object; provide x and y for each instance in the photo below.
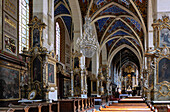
(117, 23)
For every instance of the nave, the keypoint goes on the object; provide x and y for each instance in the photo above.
(77, 55)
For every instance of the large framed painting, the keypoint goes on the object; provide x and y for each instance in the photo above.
(9, 83)
(37, 69)
(161, 28)
(163, 72)
(164, 37)
(77, 80)
(77, 84)
(94, 87)
(51, 73)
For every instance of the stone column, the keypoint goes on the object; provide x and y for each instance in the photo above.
(85, 76)
(72, 79)
(82, 82)
(101, 87)
(107, 85)
(155, 78)
(149, 73)
(44, 10)
(125, 82)
(137, 77)
(133, 82)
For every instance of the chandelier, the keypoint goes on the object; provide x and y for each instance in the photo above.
(87, 43)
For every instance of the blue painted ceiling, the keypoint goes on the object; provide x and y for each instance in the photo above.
(61, 9)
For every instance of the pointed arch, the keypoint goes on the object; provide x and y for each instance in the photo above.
(120, 48)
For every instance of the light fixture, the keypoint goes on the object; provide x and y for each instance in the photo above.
(87, 43)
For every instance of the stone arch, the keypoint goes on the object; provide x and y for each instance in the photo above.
(77, 19)
(121, 47)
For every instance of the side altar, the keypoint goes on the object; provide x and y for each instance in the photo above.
(158, 70)
(42, 83)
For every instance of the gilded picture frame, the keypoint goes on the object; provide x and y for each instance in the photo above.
(36, 71)
(10, 44)
(163, 70)
(51, 73)
(10, 83)
(164, 37)
(77, 84)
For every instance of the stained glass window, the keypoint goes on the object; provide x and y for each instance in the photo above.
(23, 21)
(58, 40)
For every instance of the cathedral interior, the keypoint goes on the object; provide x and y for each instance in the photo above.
(84, 55)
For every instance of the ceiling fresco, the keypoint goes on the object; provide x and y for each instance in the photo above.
(117, 22)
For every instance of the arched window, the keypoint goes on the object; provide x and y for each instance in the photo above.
(58, 40)
(23, 27)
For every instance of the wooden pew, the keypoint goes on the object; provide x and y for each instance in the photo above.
(125, 108)
(20, 108)
(92, 102)
(67, 105)
(131, 101)
(82, 104)
(127, 104)
(55, 107)
(6, 109)
(88, 103)
(121, 111)
(85, 103)
(73, 105)
(31, 107)
(77, 104)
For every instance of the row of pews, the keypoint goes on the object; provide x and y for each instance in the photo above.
(32, 107)
(130, 104)
(62, 105)
(76, 105)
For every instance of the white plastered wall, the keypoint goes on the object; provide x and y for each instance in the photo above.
(163, 8)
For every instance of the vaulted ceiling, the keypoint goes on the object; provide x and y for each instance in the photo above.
(117, 22)
(62, 10)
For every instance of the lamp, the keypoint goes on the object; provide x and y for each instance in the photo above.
(87, 42)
